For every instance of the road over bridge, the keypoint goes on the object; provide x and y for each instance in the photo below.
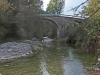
(62, 21)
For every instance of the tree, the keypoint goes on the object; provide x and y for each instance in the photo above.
(28, 20)
(91, 7)
(88, 33)
(4, 18)
(55, 6)
(20, 19)
(4, 5)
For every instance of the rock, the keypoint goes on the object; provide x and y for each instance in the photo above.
(47, 40)
(12, 50)
(34, 39)
(28, 41)
(37, 48)
(99, 59)
(45, 37)
(36, 45)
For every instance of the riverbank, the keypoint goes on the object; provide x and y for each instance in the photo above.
(23, 48)
(13, 50)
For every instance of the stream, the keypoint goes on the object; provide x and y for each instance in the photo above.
(58, 59)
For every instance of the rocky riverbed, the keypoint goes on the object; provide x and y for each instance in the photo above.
(12, 50)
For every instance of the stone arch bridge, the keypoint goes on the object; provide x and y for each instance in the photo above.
(61, 21)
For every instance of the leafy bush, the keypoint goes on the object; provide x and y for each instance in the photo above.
(86, 34)
(5, 18)
(19, 22)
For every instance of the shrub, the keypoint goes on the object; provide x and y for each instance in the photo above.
(86, 34)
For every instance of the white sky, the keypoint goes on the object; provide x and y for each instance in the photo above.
(68, 5)
(45, 2)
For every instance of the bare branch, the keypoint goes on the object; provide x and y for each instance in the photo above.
(75, 8)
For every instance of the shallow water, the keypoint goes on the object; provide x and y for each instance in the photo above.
(58, 59)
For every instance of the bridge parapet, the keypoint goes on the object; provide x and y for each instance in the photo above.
(61, 15)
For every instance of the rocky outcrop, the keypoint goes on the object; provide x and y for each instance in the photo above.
(36, 45)
(12, 50)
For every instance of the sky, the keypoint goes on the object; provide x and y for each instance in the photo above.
(68, 5)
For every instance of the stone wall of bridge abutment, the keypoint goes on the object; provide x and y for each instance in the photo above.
(62, 23)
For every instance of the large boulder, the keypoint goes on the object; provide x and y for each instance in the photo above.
(12, 50)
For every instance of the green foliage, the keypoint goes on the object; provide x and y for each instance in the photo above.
(86, 34)
(49, 29)
(92, 6)
(5, 17)
(28, 21)
(4, 5)
(71, 32)
(20, 19)
(55, 6)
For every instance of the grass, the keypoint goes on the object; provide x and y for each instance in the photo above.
(25, 66)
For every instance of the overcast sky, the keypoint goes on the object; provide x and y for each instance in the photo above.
(68, 5)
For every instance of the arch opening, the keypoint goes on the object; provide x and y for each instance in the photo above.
(51, 29)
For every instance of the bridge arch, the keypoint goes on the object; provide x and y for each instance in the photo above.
(58, 35)
(62, 22)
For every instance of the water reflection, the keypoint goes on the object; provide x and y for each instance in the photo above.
(58, 59)
(71, 66)
(44, 69)
(43, 65)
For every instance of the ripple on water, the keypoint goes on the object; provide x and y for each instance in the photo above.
(71, 66)
(43, 68)
(43, 64)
